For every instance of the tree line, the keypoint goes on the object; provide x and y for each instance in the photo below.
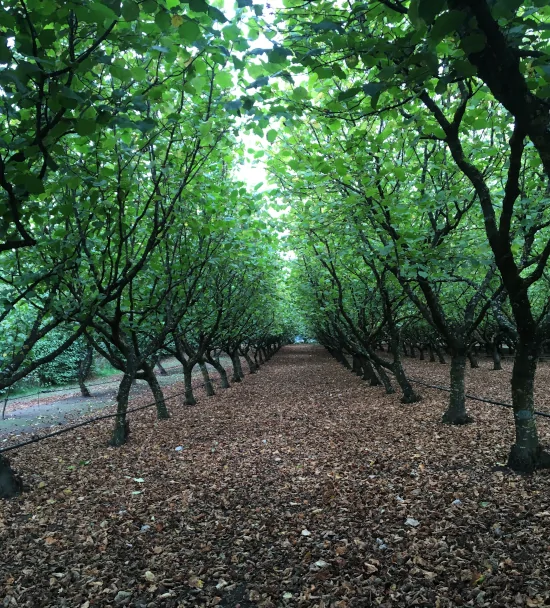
(124, 230)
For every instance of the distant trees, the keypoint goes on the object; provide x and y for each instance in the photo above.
(420, 130)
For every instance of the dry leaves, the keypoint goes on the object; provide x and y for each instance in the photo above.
(302, 446)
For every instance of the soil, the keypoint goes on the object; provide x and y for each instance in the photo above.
(301, 486)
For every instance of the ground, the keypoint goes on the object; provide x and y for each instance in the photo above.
(62, 406)
(302, 486)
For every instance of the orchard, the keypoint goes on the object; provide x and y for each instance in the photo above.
(211, 182)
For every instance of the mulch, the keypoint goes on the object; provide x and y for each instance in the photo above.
(301, 486)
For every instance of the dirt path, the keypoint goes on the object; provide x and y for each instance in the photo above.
(30, 414)
(300, 487)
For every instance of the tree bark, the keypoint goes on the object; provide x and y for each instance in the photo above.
(368, 372)
(161, 369)
(409, 394)
(381, 372)
(84, 369)
(122, 428)
(474, 363)
(210, 392)
(497, 362)
(456, 410)
(188, 382)
(237, 369)
(526, 454)
(440, 355)
(10, 484)
(162, 410)
(252, 367)
(215, 362)
(356, 365)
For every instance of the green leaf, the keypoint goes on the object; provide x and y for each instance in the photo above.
(271, 136)
(33, 184)
(464, 67)
(198, 6)
(300, 93)
(224, 80)
(163, 20)
(445, 24)
(429, 9)
(130, 10)
(216, 14)
(189, 30)
(85, 127)
(473, 43)
(349, 93)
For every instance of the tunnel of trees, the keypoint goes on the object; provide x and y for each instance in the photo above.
(407, 144)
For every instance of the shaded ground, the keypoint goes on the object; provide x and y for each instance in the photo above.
(300, 487)
(481, 382)
(31, 413)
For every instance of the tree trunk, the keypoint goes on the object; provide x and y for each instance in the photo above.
(526, 454)
(260, 354)
(215, 362)
(368, 372)
(474, 364)
(237, 369)
(440, 355)
(456, 410)
(432, 354)
(497, 362)
(409, 395)
(252, 367)
(412, 352)
(10, 484)
(188, 382)
(356, 365)
(122, 428)
(84, 369)
(210, 392)
(421, 351)
(161, 369)
(384, 378)
(162, 410)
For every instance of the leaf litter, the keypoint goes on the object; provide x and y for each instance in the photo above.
(301, 446)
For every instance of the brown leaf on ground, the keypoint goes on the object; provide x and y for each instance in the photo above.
(304, 445)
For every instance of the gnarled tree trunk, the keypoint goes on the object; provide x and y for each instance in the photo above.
(210, 392)
(162, 410)
(84, 368)
(215, 363)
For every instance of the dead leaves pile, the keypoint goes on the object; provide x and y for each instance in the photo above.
(302, 486)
